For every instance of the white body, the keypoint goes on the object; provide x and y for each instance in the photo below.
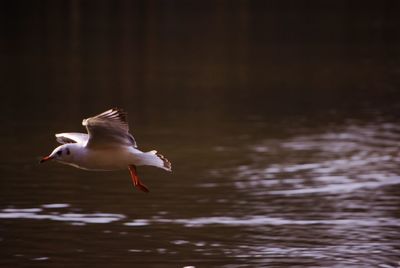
(112, 158)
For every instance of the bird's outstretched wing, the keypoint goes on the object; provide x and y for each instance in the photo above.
(72, 137)
(109, 129)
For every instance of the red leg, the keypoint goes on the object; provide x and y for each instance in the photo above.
(135, 179)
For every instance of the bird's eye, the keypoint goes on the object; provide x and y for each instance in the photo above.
(59, 153)
(68, 151)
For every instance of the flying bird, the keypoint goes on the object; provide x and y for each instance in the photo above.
(108, 145)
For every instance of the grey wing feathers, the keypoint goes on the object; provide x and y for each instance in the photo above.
(109, 128)
(72, 137)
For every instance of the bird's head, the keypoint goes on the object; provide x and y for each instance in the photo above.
(62, 153)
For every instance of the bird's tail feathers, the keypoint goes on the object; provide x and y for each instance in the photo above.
(158, 160)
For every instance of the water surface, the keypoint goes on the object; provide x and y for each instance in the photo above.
(256, 191)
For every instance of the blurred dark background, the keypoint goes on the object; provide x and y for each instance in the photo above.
(162, 59)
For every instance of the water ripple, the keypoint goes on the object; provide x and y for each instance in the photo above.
(39, 214)
(260, 220)
(337, 161)
(339, 188)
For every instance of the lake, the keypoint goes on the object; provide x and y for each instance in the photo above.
(276, 191)
(280, 118)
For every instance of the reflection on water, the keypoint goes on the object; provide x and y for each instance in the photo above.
(345, 160)
(39, 214)
(264, 220)
(258, 220)
(324, 195)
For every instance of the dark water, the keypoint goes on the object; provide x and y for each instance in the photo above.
(276, 192)
(281, 119)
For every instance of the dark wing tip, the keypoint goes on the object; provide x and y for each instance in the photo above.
(120, 114)
(111, 114)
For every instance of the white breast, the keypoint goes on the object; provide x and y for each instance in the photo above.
(105, 159)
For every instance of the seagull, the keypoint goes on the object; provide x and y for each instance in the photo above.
(108, 145)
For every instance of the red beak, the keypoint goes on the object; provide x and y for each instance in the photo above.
(46, 158)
